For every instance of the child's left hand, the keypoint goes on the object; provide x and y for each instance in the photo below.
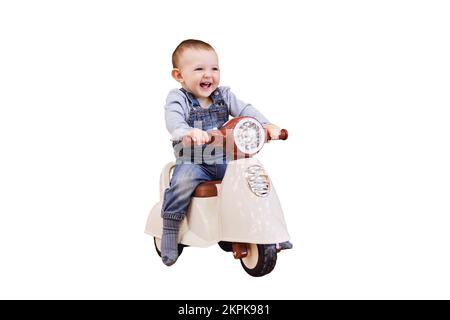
(274, 131)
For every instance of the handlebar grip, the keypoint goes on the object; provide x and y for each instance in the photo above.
(284, 134)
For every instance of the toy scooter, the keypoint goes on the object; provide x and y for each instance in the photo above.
(242, 212)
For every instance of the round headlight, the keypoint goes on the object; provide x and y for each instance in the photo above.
(249, 136)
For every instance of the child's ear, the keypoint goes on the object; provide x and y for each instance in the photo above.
(176, 74)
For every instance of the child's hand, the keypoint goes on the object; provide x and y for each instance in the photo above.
(274, 131)
(198, 136)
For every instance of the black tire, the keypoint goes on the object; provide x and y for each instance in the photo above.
(180, 247)
(261, 259)
(226, 246)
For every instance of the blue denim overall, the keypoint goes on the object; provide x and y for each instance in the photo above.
(194, 168)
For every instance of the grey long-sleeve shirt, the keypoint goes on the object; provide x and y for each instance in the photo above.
(177, 111)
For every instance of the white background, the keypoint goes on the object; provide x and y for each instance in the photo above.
(363, 88)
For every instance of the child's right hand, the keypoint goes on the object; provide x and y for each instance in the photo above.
(198, 136)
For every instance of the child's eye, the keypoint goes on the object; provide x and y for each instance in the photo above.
(215, 69)
(198, 69)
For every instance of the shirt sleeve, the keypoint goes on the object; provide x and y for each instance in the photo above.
(239, 108)
(176, 112)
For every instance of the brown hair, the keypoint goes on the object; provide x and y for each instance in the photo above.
(188, 44)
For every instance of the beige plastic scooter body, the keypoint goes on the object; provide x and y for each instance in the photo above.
(236, 214)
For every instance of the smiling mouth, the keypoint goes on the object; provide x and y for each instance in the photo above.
(205, 85)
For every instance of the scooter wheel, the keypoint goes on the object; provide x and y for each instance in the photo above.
(157, 243)
(260, 260)
(226, 246)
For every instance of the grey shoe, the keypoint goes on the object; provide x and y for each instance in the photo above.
(285, 245)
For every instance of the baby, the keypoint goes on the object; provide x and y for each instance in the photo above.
(198, 106)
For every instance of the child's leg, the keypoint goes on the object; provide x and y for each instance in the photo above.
(185, 178)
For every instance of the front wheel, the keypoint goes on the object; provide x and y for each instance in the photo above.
(157, 243)
(260, 259)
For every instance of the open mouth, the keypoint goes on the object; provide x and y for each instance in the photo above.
(205, 85)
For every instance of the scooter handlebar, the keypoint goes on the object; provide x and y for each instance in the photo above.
(218, 134)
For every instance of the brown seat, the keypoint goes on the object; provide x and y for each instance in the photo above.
(207, 189)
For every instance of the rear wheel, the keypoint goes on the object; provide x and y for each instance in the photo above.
(157, 243)
(260, 259)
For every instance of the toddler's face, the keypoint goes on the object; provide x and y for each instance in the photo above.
(199, 72)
